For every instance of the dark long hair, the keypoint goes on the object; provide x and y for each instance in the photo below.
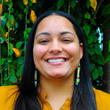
(83, 96)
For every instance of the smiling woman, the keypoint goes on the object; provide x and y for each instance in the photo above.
(57, 49)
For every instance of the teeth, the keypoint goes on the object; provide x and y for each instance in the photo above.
(55, 60)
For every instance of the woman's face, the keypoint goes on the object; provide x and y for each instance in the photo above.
(57, 51)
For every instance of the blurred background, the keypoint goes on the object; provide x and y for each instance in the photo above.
(18, 16)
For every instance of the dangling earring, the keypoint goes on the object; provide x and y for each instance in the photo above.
(35, 80)
(78, 75)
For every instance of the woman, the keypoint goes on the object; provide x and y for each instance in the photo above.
(56, 48)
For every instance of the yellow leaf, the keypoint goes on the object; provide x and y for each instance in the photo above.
(17, 52)
(6, 0)
(34, 1)
(33, 16)
(25, 2)
(12, 22)
(0, 9)
(93, 4)
(6, 34)
(32, 13)
(10, 29)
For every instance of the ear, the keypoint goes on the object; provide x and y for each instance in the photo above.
(81, 50)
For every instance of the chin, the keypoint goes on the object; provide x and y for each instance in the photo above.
(57, 75)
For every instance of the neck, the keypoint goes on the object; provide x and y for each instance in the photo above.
(57, 88)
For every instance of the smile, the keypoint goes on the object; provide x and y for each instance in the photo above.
(57, 60)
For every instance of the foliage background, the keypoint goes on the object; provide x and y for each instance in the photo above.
(18, 16)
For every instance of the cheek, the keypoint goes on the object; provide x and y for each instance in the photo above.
(39, 51)
(73, 50)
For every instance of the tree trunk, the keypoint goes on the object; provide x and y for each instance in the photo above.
(106, 68)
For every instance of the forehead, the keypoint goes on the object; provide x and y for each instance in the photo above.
(54, 22)
(55, 17)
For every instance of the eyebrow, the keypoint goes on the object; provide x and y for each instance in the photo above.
(66, 32)
(43, 33)
(48, 34)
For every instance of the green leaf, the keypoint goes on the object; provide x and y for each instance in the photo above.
(95, 74)
(26, 33)
(86, 29)
(12, 72)
(5, 77)
(60, 3)
(11, 17)
(12, 10)
(11, 21)
(73, 4)
(28, 29)
(20, 60)
(92, 66)
(19, 44)
(107, 59)
(93, 22)
(88, 3)
(20, 16)
(30, 3)
(13, 79)
(99, 59)
(89, 40)
(87, 16)
(9, 60)
(10, 52)
(10, 6)
(2, 61)
(10, 45)
(97, 50)
(26, 10)
(27, 21)
(92, 38)
(19, 71)
(91, 50)
(109, 46)
(100, 70)
(106, 10)
(6, 15)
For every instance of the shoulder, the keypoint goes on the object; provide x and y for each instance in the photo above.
(102, 99)
(7, 91)
(8, 94)
(101, 94)
(7, 88)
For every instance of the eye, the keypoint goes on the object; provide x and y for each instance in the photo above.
(67, 40)
(44, 41)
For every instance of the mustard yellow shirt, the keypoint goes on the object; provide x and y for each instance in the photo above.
(9, 94)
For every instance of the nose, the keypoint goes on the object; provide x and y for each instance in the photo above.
(55, 47)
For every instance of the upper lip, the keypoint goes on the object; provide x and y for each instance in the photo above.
(57, 58)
